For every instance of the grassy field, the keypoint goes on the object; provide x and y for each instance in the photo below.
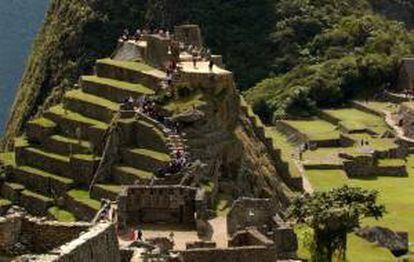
(396, 193)
(352, 117)
(137, 66)
(381, 106)
(61, 214)
(315, 129)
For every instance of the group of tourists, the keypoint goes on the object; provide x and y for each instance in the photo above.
(139, 33)
(144, 105)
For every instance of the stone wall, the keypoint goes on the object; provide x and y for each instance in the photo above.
(249, 237)
(149, 204)
(249, 212)
(239, 254)
(189, 35)
(406, 113)
(157, 50)
(98, 244)
(36, 235)
(45, 236)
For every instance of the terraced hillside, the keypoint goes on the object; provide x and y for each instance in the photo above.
(341, 142)
(53, 164)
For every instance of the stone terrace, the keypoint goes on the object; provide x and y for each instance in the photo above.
(57, 157)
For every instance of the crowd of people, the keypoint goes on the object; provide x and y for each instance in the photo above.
(139, 33)
(147, 106)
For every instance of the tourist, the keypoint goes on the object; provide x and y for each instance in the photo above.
(167, 34)
(139, 235)
(137, 35)
(210, 65)
(195, 57)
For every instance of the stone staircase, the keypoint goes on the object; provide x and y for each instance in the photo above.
(59, 154)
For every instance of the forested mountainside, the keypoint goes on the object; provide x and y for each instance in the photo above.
(324, 45)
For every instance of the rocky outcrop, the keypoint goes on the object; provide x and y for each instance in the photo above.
(396, 242)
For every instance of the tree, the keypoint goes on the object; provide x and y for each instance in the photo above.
(332, 215)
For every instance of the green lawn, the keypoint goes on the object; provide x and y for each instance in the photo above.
(8, 158)
(315, 129)
(83, 197)
(88, 98)
(357, 119)
(43, 122)
(136, 66)
(281, 142)
(73, 116)
(396, 193)
(325, 155)
(138, 88)
(151, 153)
(61, 214)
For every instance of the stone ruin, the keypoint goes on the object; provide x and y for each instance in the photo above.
(254, 228)
(152, 204)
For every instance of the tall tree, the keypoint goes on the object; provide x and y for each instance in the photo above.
(332, 215)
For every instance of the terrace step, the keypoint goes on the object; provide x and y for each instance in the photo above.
(127, 175)
(66, 145)
(44, 160)
(39, 129)
(112, 89)
(127, 71)
(60, 214)
(34, 203)
(145, 159)
(11, 191)
(105, 191)
(90, 105)
(5, 204)
(81, 205)
(40, 181)
(69, 121)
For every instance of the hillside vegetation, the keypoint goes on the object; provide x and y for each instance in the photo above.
(337, 50)
(322, 45)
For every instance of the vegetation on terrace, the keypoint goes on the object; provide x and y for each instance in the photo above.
(315, 129)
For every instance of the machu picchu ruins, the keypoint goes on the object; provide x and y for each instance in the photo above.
(266, 131)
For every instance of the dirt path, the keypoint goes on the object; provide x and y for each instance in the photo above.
(219, 226)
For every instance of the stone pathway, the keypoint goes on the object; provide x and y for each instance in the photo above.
(219, 225)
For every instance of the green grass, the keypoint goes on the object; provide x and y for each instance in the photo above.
(68, 140)
(396, 193)
(4, 202)
(151, 153)
(281, 142)
(183, 104)
(88, 98)
(61, 214)
(42, 173)
(315, 130)
(358, 118)
(8, 158)
(325, 155)
(111, 188)
(21, 141)
(86, 157)
(35, 195)
(15, 186)
(208, 186)
(44, 122)
(391, 162)
(136, 66)
(73, 116)
(136, 172)
(138, 88)
(222, 204)
(48, 154)
(83, 197)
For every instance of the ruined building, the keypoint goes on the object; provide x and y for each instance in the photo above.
(90, 146)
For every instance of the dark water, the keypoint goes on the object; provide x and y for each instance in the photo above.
(19, 22)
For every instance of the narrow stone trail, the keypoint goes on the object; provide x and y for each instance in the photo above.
(219, 226)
